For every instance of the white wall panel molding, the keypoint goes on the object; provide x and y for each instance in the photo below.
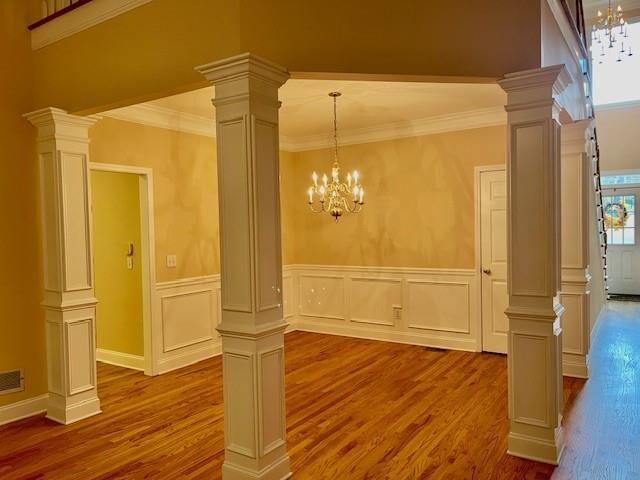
(23, 409)
(187, 313)
(422, 306)
(80, 19)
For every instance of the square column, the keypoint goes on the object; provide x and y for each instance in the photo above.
(577, 185)
(534, 311)
(252, 328)
(69, 301)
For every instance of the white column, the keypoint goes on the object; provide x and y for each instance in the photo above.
(534, 311)
(69, 302)
(252, 329)
(577, 183)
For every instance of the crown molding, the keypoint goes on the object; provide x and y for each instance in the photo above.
(617, 105)
(486, 117)
(160, 117)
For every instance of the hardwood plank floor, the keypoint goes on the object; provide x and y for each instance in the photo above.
(356, 409)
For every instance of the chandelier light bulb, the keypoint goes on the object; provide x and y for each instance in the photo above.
(340, 199)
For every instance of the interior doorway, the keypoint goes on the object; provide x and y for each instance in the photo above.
(623, 247)
(491, 248)
(122, 229)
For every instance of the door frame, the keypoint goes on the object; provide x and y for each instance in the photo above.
(148, 254)
(478, 171)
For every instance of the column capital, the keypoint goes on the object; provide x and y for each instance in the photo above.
(536, 88)
(55, 122)
(556, 77)
(245, 65)
(575, 137)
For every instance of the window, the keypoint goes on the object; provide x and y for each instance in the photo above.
(613, 81)
(620, 179)
(620, 219)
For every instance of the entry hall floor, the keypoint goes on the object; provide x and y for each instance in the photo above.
(356, 409)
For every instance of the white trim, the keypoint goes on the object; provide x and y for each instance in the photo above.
(188, 282)
(148, 254)
(370, 332)
(616, 105)
(400, 330)
(161, 117)
(184, 359)
(23, 409)
(568, 33)
(386, 270)
(485, 117)
(82, 18)
(120, 359)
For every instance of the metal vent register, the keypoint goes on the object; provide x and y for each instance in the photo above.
(12, 381)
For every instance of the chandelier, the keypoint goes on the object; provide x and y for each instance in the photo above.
(607, 31)
(336, 197)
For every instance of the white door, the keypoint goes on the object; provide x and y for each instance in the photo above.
(493, 255)
(623, 250)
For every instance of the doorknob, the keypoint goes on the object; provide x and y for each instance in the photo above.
(487, 271)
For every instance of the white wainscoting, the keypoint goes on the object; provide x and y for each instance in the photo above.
(186, 315)
(422, 306)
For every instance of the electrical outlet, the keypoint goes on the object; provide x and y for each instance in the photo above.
(397, 312)
(172, 261)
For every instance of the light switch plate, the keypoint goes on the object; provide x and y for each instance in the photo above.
(172, 261)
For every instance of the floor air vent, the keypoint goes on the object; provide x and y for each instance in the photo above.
(12, 381)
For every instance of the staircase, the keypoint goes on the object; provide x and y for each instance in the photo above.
(602, 237)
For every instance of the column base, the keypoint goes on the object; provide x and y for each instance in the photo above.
(276, 471)
(64, 411)
(538, 449)
(574, 365)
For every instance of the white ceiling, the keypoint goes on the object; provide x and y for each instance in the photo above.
(307, 109)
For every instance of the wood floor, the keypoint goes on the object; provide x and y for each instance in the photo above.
(356, 409)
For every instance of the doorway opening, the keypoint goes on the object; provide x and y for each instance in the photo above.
(620, 194)
(122, 231)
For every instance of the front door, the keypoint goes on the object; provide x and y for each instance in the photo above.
(623, 249)
(493, 254)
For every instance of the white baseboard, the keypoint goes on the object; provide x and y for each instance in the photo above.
(119, 359)
(185, 358)
(574, 366)
(306, 324)
(23, 409)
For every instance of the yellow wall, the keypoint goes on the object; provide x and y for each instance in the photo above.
(185, 190)
(151, 51)
(116, 223)
(618, 138)
(22, 343)
(419, 198)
